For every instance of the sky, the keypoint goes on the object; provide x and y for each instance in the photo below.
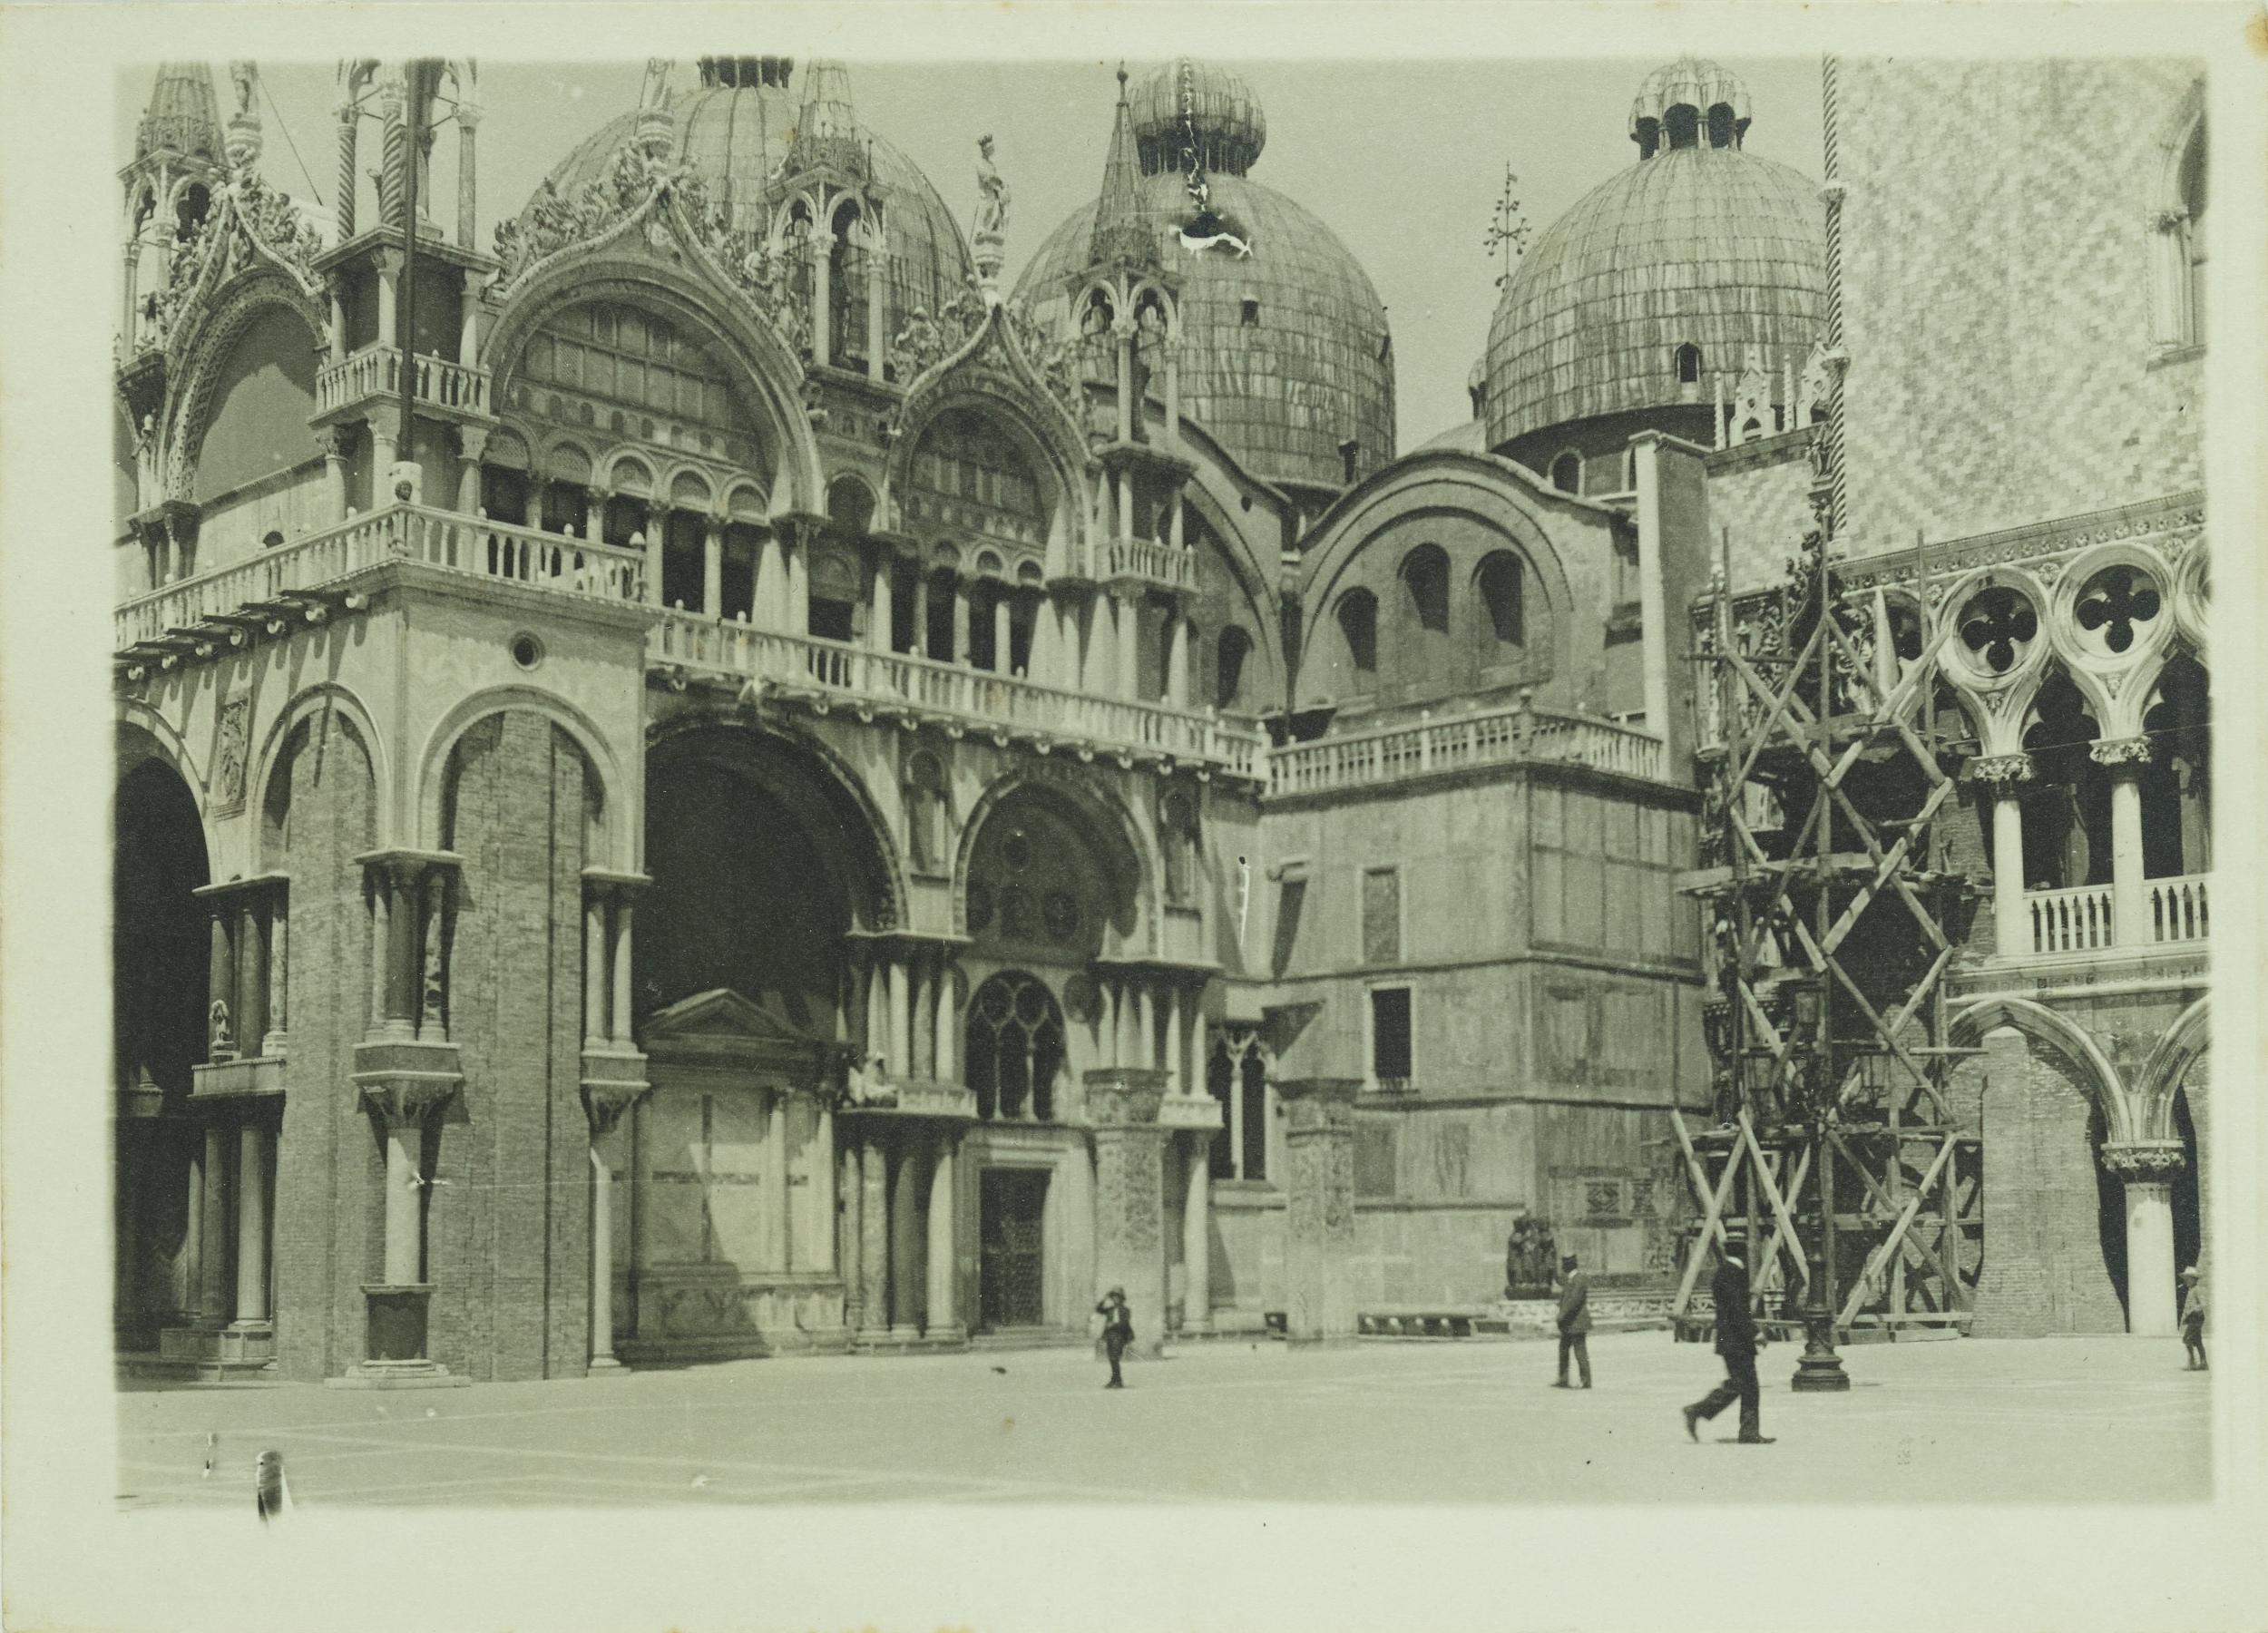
(1405, 160)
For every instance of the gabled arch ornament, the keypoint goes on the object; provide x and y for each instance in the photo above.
(204, 341)
(990, 371)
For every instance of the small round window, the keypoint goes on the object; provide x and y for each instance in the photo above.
(527, 651)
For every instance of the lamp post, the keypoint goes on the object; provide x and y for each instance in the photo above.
(1819, 1367)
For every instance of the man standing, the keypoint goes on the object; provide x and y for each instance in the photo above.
(1574, 1320)
(2194, 1317)
(1118, 1330)
(1736, 1342)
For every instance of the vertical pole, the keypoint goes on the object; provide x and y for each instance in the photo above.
(775, 1178)
(419, 72)
(601, 1261)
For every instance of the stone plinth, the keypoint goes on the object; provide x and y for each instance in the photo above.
(1319, 1208)
(1122, 1104)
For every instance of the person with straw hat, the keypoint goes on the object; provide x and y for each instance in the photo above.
(2194, 1317)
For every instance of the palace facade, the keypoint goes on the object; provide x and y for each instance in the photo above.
(761, 786)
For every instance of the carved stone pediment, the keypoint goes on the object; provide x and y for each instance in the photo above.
(725, 1028)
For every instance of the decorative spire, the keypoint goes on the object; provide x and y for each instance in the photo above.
(826, 127)
(183, 116)
(1120, 235)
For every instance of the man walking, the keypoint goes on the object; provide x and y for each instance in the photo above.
(1118, 1330)
(1736, 1341)
(1574, 1320)
(2194, 1317)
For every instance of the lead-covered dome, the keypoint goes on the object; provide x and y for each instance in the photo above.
(1287, 355)
(736, 126)
(1699, 245)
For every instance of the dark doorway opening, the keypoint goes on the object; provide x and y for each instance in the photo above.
(1011, 1203)
(2189, 1239)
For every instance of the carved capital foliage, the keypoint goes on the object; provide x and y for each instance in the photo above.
(2001, 772)
(2121, 751)
(403, 1099)
(607, 1103)
(2155, 1161)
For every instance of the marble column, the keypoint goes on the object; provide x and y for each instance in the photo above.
(797, 619)
(2129, 897)
(187, 1280)
(1196, 1238)
(882, 613)
(851, 1234)
(713, 567)
(771, 583)
(900, 1019)
(252, 1226)
(405, 1249)
(1319, 1209)
(605, 1115)
(1178, 659)
(622, 1026)
(920, 648)
(212, 1248)
(822, 297)
(1129, 1195)
(873, 1247)
(1004, 637)
(948, 1045)
(332, 441)
(1130, 648)
(1175, 1083)
(906, 1271)
(944, 1313)
(776, 1181)
(2148, 1169)
(2004, 775)
(594, 984)
(959, 650)
(822, 1179)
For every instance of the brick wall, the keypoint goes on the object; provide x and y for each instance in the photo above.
(1997, 297)
(2044, 1269)
(507, 1243)
(329, 1172)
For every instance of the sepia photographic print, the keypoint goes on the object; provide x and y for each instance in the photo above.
(1307, 817)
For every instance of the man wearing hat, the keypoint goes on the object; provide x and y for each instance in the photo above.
(1574, 1320)
(1736, 1342)
(2194, 1317)
(1118, 1330)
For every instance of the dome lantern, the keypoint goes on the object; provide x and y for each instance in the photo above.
(1194, 112)
(1686, 102)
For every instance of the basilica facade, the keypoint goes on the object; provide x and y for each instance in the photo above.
(718, 775)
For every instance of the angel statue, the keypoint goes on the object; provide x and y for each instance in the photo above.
(240, 74)
(992, 205)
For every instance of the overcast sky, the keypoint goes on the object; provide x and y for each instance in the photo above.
(1405, 160)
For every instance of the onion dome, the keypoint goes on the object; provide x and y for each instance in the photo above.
(184, 115)
(743, 130)
(1696, 260)
(1286, 357)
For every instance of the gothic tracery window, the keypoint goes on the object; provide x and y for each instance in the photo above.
(1015, 1048)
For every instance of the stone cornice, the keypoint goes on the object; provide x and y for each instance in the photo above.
(2148, 519)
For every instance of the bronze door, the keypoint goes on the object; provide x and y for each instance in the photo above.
(1009, 1204)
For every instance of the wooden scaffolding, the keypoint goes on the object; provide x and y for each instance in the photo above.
(1833, 921)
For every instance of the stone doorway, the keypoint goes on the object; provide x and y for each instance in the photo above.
(1010, 1205)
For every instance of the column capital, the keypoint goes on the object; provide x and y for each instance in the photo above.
(1124, 1099)
(2120, 751)
(405, 1099)
(605, 883)
(2000, 772)
(407, 866)
(471, 442)
(2148, 1161)
(605, 1103)
(1319, 1105)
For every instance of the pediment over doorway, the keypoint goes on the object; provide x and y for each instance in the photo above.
(724, 1028)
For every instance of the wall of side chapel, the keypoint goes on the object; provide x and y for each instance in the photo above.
(1987, 386)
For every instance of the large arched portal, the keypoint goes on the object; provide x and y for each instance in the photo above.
(159, 973)
(761, 866)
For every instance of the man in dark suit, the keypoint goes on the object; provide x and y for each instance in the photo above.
(1574, 1320)
(1736, 1341)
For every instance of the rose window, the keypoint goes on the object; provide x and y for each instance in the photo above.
(2117, 603)
(1998, 627)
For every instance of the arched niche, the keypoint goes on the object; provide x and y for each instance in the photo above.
(262, 394)
(972, 477)
(158, 925)
(763, 862)
(1050, 875)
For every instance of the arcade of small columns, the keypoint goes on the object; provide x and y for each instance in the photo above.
(1148, 1021)
(2134, 910)
(229, 1175)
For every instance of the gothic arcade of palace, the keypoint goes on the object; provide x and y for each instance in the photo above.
(813, 794)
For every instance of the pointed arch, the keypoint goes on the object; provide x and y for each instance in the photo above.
(618, 822)
(2185, 1042)
(327, 697)
(2096, 1077)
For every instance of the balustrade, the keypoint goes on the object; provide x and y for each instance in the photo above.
(444, 539)
(374, 371)
(2081, 919)
(1498, 736)
(1166, 566)
(861, 675)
